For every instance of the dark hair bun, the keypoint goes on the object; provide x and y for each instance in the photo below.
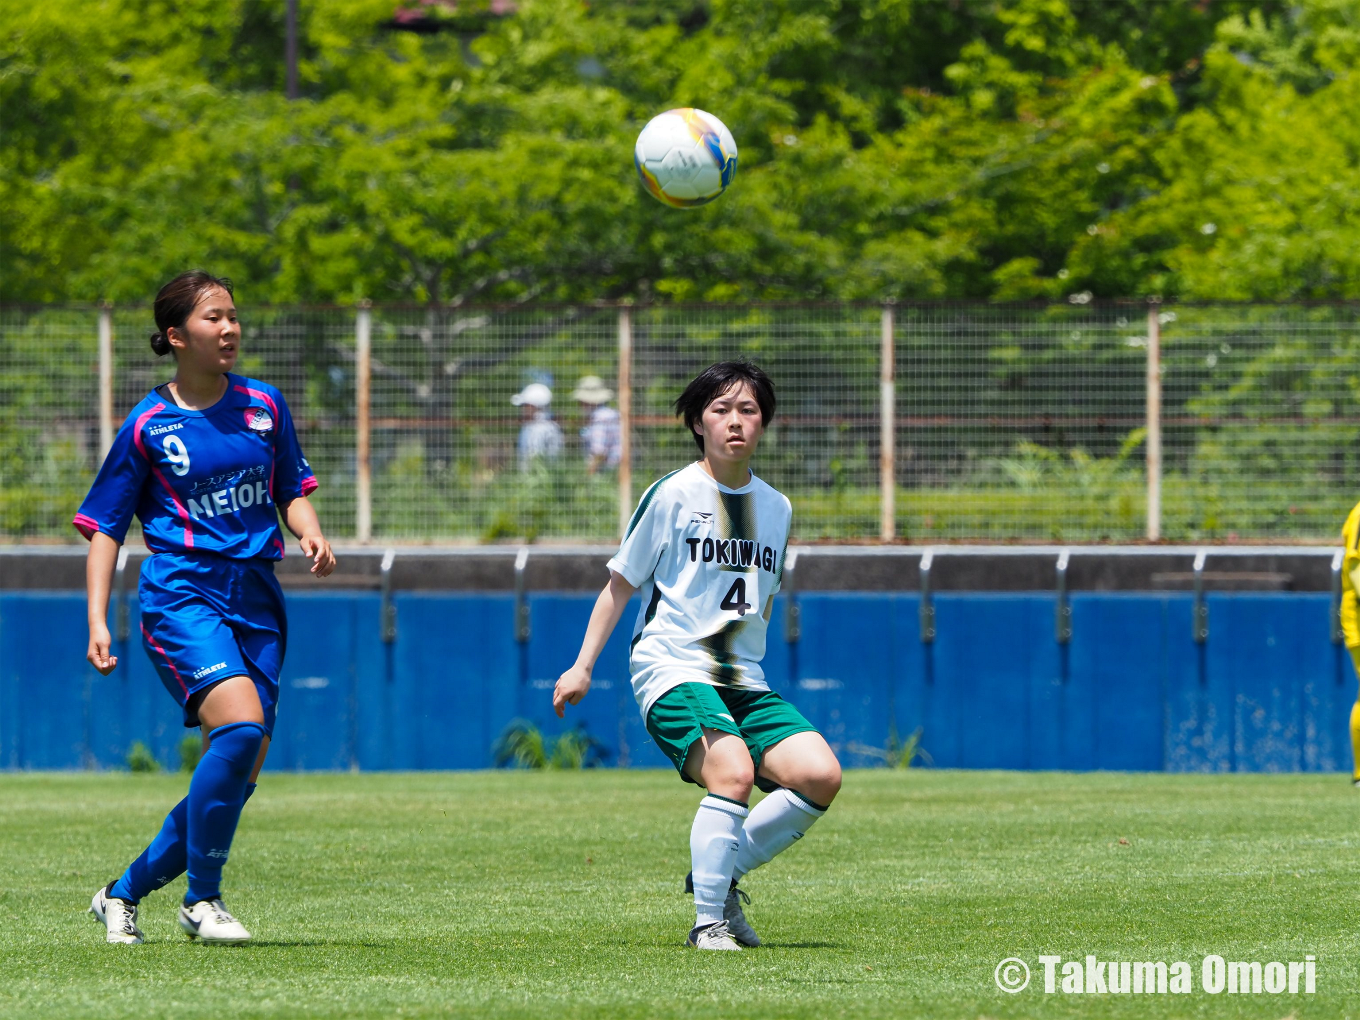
(160, 344)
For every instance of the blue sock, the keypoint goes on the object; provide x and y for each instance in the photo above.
(217, 793)
(161, 862)
(164, 860)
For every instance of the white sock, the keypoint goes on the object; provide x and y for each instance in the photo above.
(713, 844)
(773, 825)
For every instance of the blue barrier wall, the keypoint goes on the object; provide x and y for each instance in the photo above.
(1267, 691)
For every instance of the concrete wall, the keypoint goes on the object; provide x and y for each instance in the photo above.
(817, 568)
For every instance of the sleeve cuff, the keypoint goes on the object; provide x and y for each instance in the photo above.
(86, 525)
(309, 485)
(619, 567)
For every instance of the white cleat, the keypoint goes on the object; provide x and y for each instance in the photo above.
(732, 913)
(736, 920)
(119, 918)
(713, 936)
(210, 921)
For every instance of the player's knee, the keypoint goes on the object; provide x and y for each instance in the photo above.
(238, 743)
(744, 777)
(821, 780)
(737, 779)
(829, 781)
(729, 772)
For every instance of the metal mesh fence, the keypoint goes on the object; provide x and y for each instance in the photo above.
(1261, 420)
(49, 417)
(1021, 423)
(1024, 423)
(822, 448)
(454, 458)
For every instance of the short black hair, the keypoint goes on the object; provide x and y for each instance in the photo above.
(713, 382)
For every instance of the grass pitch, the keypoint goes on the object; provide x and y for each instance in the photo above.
(558, 894)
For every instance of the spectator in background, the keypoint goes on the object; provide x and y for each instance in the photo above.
(539, 436)
(602, 437)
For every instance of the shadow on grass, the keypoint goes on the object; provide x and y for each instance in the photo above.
(305, 943)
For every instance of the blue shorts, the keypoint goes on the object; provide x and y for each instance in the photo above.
(205, 618)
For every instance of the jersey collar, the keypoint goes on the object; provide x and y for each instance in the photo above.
(719, 485)
(229, 399)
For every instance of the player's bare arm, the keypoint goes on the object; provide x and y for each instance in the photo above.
(574, 684)
(99, 568)
(300, 516)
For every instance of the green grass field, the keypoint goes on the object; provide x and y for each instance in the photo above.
(558, 895)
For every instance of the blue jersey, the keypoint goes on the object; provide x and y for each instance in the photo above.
(202, 480)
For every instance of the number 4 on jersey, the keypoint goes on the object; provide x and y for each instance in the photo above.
(736, 597)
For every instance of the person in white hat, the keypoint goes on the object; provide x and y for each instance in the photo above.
(602, 438)
(539, 436)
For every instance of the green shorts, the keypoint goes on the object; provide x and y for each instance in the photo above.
(761, 718)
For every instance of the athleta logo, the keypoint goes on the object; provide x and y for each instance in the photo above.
(200, 674)
(222, 854)
(258, 419)
(699, 517)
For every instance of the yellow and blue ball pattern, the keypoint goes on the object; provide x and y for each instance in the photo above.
(685, 157)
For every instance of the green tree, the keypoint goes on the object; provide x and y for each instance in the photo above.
(909, 148)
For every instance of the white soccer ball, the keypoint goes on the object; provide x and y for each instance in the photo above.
(685, 157)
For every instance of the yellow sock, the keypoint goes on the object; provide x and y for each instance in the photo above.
(1355, 739)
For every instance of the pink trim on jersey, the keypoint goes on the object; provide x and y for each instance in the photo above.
(152, 642)
(183, 513)
(179, 507)
(86, 525)
(137, 430)
(260, 395)
(309, 485)
(279, 544)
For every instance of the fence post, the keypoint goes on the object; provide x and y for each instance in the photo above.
(625, 385)
(1154, 422)
(105, 380)
(887, 454)
(363, 495)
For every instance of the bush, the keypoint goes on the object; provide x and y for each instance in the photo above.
(522, 745)
(140, 759)
(190, 750)
(899, 754)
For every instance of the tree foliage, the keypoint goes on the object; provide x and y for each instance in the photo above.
(999, 149)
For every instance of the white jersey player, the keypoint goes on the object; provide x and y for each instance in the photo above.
(706, 548)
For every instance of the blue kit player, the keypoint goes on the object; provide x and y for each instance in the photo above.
(207, 462)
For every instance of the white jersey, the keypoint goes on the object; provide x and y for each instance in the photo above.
(708, 560)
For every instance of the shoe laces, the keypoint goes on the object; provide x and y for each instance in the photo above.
(220, 913)
(741, 894)
(125, 916)
(721, 930)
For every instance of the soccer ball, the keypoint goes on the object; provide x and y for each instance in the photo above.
(685, 157)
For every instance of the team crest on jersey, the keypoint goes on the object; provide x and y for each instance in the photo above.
(259, 420)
